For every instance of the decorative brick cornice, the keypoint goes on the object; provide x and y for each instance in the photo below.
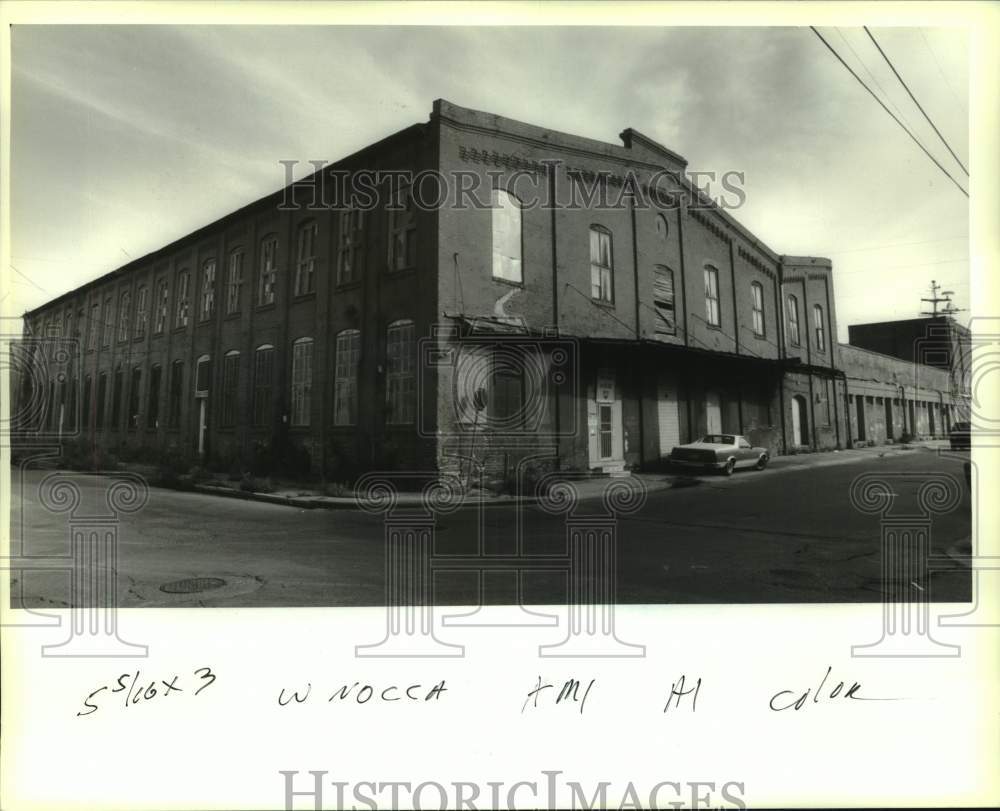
(753, 259)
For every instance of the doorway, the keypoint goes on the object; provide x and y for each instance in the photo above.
(604, 417)
(713, 413)
(889, 433)
(800, 421)
(860, 402)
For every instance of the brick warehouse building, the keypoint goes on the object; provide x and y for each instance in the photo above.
(411, 336)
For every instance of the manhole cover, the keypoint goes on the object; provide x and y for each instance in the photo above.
(192, 585)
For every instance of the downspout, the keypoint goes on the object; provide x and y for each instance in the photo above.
(555, 308)
(736, 333)
(779, 315)
(687, 343)
(812, 396)
(638, 334)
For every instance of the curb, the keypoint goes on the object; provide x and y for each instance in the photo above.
(332, 503)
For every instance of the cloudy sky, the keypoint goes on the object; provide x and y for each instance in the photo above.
(125, 138)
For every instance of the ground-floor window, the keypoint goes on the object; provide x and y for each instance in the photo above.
(347, 355)
(302, 354)
(263, 373)
(153, 409)
(400, 381)
(230, 387)
(176, 393)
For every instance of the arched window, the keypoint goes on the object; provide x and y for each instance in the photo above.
(302, 356)
(818, 327)
(124, 305)
(133, 397)
(792, 308)
(350, 245)
(153, 408)
(176, 393)
(662, 229)
(663, 300)
(88, 404)
(305, 264)
(757, 295)
(207, 290)
(506, 214)
(268, 270)
(399, 378)
(141, 314)
(712, 295)
(202, 376)
(234, 281)
(183, 305)
(345, 388)
(263, 375)
(230, 388)
(602, 268)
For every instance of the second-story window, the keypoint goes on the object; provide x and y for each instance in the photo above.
(124, 314)
(350, 246)
(93, 326)
(757, 294)
(162, 305)
(506, 216)
(306, 262)
(792, 307)
(268, 271)
(234, 282)
(207, 290)
(399, 378)
(712, 296)
(818, 328)
(183, 304)
(663, 300)
(109, 322)
(402, 230)
(602, 269)
(141, 313)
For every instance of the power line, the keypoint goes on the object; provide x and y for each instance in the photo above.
(891, 114)
(951, 89)
(872, 76)
(871, 36)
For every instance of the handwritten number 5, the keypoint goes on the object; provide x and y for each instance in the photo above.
(206, 673)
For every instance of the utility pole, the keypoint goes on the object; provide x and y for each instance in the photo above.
(944, 298)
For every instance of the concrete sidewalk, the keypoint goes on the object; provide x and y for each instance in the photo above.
(588, 488)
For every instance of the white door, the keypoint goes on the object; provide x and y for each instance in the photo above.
(668, 418)
(713, 413)
(604, 421)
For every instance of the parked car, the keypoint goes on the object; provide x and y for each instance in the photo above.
(960, 436)
(724, 452)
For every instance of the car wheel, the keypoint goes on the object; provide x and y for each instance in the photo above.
(762, 462)
(729, 468)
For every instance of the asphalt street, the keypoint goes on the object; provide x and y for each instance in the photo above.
(775, 536)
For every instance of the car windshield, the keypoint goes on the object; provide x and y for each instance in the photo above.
(719, 439)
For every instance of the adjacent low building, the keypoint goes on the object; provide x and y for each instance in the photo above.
(492, 292)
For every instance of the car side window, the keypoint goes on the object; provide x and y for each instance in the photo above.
(744, 443)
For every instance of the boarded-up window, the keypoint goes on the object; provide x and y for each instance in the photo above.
(506, 214)
(663, 300)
